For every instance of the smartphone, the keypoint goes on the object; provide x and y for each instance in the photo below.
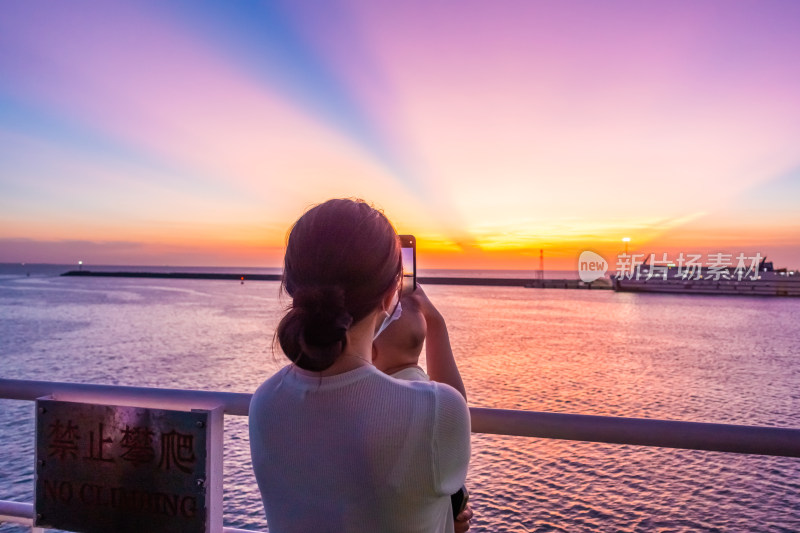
(408, 246)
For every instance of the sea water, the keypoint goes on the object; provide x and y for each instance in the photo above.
(680, 357)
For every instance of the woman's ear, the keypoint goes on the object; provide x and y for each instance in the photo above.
(387, 303)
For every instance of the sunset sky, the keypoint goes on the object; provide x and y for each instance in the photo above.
(195, 133)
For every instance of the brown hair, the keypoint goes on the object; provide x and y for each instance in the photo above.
(342, 257)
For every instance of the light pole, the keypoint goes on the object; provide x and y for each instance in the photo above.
(80, 266)
(626, 240)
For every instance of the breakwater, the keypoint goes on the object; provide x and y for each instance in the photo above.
(530, 283)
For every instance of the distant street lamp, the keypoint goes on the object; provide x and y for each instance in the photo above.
(626, 240)
(80, 265)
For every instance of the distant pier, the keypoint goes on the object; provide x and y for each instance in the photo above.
(175, 275)
(529, 283)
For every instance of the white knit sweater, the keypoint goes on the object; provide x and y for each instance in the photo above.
(358, 452)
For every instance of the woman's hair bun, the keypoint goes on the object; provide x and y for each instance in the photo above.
(315, 330)
(327, 319)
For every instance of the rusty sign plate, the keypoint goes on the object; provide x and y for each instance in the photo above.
(123, 469)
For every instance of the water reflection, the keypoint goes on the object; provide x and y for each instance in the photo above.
(723, 359)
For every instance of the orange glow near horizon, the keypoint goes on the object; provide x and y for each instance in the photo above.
(249, 247)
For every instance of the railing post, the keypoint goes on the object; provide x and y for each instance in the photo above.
(216, 432)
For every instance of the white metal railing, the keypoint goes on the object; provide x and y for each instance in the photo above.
(758, 440)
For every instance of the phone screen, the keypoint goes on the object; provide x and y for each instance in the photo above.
(409, 250)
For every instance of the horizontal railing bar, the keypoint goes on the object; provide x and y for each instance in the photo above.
(234, 403)
(22, 513)
(607, 429)
(758, 440)
(17, 512)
